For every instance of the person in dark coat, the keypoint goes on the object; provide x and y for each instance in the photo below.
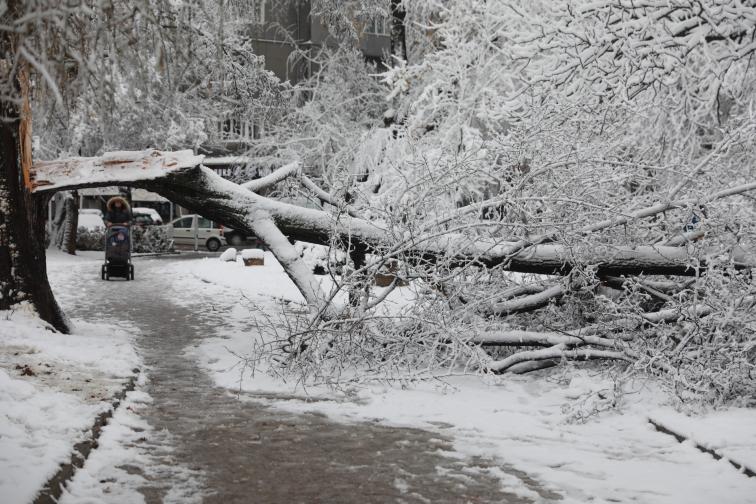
(119, 212)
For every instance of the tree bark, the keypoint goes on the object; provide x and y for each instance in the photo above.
(23, 270)
(71, 224)
(398, 30)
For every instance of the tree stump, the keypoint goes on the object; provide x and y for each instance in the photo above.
(253, 257)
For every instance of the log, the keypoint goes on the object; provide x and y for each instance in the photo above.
(526, 303)
(203, 191)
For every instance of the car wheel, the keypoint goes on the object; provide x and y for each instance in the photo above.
(236, 240)
(213, 244)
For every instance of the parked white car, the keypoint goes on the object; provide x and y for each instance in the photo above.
(95, 211)
(208, 232)
(153, 214)
(91, 219)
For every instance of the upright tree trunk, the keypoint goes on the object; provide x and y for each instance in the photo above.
(58, 221)
(71, 223)
(398, 30)
(23, 271)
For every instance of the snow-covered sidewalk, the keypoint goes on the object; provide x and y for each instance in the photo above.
(554, 429)
(542, 427)
(52, 387)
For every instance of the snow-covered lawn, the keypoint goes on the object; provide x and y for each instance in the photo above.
(531, 423)
(52, 386)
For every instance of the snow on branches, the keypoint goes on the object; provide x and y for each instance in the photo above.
(587, 128)
(551, 181)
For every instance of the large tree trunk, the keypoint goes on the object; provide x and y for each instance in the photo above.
(23, 272)
(203, 191)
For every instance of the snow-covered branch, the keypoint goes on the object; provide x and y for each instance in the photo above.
(274, 177)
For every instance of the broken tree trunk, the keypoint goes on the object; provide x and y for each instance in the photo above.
(23, 271)
(203, 191)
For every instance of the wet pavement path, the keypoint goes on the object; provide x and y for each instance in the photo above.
(247, 452)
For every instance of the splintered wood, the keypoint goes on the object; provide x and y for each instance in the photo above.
(120, 167)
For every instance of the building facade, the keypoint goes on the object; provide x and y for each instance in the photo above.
(280, 30)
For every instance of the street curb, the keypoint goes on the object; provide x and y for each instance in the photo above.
(717, 456)
(154, 254)
(54, 486)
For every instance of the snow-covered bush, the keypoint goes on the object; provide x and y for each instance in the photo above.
(90, 239)
(591, 131)
(151, 239)
(147, 239)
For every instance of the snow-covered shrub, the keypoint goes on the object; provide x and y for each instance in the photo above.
(90, 239)
(590, 131)
(147, 239)
(151, 239)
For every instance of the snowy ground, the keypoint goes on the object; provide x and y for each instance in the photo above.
(541, 426)
(52, 386)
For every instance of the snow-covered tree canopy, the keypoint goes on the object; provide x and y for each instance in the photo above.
(591, 125)
(151, 73)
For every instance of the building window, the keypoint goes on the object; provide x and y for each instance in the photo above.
(378, 26)
(235, 128)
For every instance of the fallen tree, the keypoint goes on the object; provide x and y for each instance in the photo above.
(626, 270)
(186, 182)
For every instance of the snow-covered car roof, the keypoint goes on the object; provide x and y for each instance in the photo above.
(148, 211)
(90, 221)
(93, 211)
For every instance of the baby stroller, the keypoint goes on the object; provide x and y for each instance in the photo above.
(118, 254)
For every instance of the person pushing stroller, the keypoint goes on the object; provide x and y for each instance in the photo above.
(118, 240)
(118, 212)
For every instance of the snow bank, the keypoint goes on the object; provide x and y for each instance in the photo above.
(51, 388)
(228, 255)
(38, 428)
